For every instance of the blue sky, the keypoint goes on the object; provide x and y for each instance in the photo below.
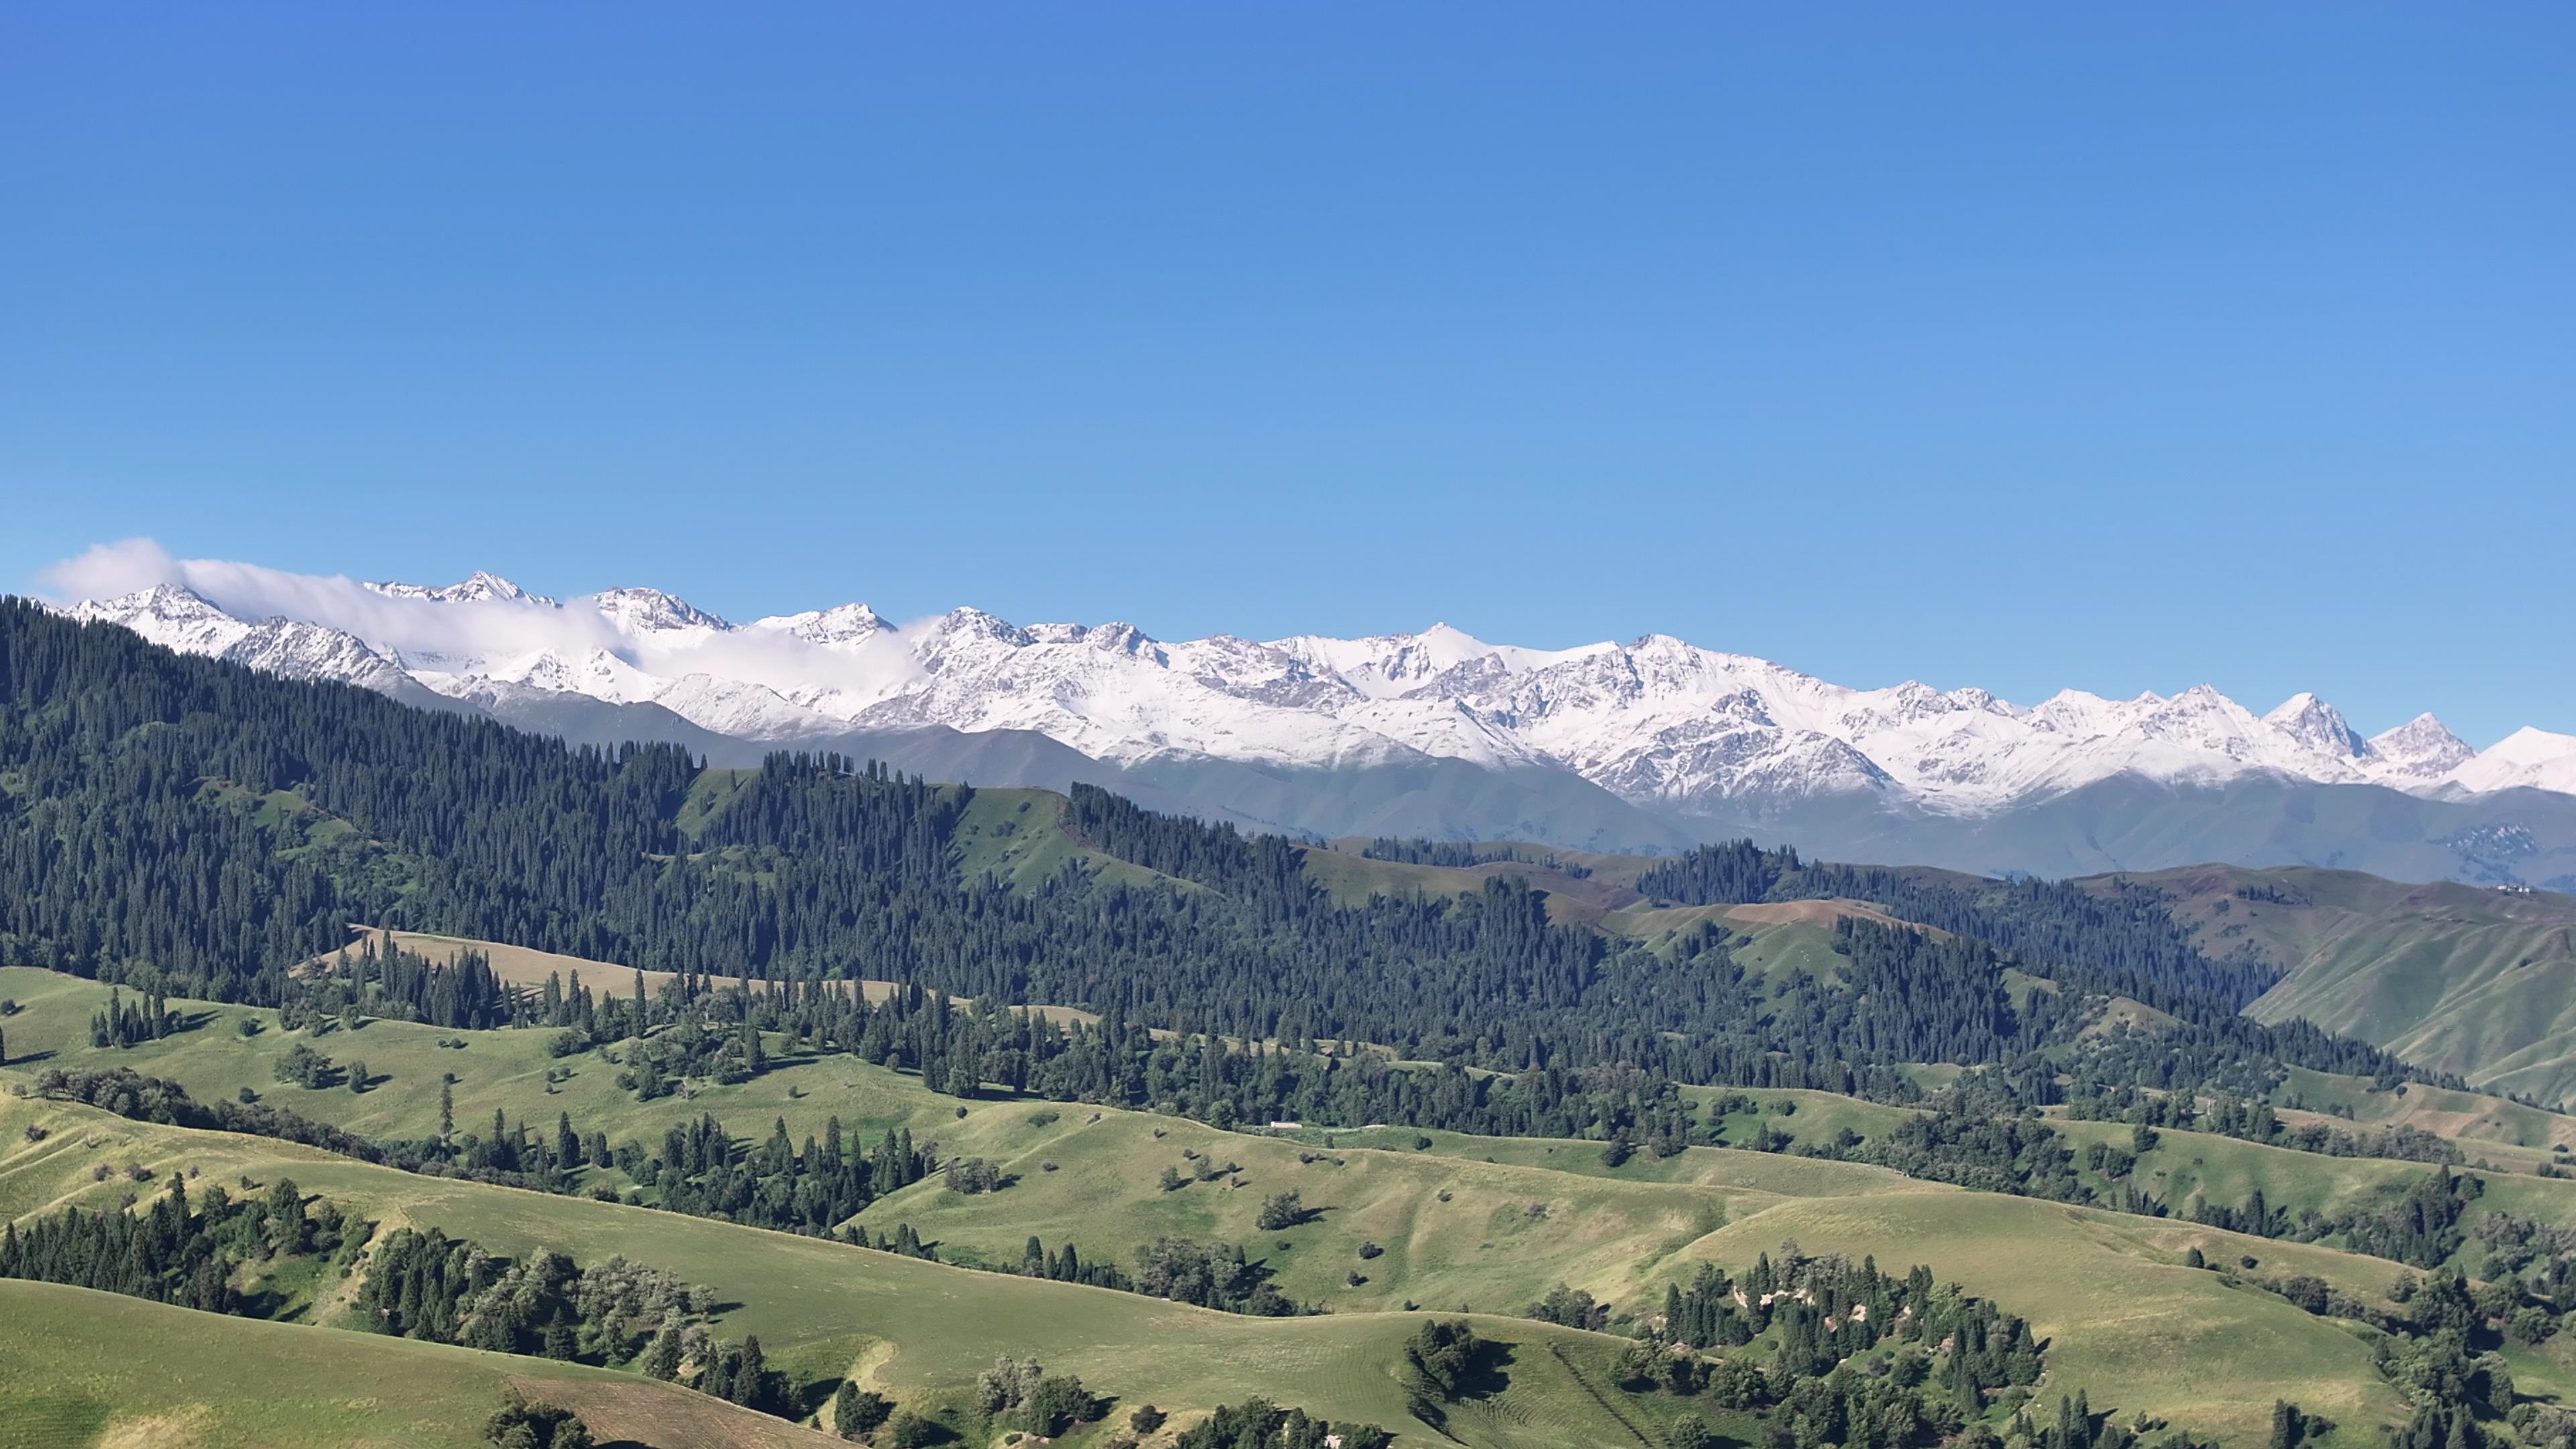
(2025, 347)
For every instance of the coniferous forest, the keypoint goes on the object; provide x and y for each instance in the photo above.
(200, 830)
(191, 831)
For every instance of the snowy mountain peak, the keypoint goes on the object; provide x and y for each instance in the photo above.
(1451, 645)
(479, 588)
(2527, 759)
(2318, 725)
(179, 618)
(651, 611)
(838, 627)
(1662, 723)
(161, 601)
(2423, 748)
(170, 615)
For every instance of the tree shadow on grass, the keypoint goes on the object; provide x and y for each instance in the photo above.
(808, 1398)
(1490, 1375)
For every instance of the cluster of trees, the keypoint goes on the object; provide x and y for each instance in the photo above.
(1465, 855)
(1205, 1274)
(1444, 1361)
(1211, 1275)
(131, 1094)
(1026, 1397)
(377, 976)
(968, 1049)
(2440, 1350)
(524, 1423)
(300, 1065)
(1979, 1136)
(1260, 1424)
(1067, 1265)
(1825, 1351)
(178, 1251)
(698, 1168)
(2539, 1258)
(2422, 1226)
(2237, 1108)
(1822, 1310)
(1728, 873)
(426, 1285)
(858, 1412)
(701, 1171)
(124, 1023)
(1929, 1377)
(2077, 1427)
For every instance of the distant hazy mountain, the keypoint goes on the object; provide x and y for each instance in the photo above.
(1648, 744)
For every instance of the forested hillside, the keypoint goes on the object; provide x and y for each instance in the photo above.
(197, 828)
(2468, 979)
(197, 840)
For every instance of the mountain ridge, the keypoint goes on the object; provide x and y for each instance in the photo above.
(1650, 744)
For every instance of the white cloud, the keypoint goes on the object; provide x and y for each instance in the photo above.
(484, 635)
(105, 570)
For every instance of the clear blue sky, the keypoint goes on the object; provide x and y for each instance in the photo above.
(2114, 347)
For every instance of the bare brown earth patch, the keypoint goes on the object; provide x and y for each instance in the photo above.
(176, 1429)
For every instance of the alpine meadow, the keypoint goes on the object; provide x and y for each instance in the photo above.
(1159, 726)
(692, 1104)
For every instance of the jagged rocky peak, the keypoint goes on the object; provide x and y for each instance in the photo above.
(2423, 747)
(1656, 721)
(2318, 725)
(480, 587)
(841, 625)
(650, 611)
(165, 601)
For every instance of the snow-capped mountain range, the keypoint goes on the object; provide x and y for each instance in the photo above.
(1678, 730)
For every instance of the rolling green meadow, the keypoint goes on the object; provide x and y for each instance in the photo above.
(1458, 1223)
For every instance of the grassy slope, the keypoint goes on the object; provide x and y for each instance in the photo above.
(2123, 1318)
(84, 1369)
(918, 1330)
(1018, 837)
(2451, 976)
(1617, 1232)
(2480, 1123)
(2225, 1170)
(1351, 878)
(497, 1070)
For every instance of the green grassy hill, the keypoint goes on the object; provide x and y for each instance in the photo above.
(2125, 1319)
(2455, 977)
(2452, 977)
(88, 1370)
(919, 1331)
(1018, 837)
(2484, 1124)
